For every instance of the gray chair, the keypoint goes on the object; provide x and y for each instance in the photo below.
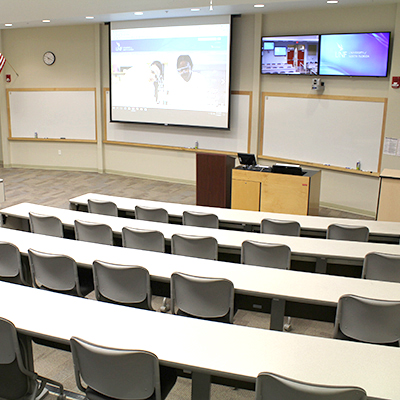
(348, 232)
(143, 239)
(368, 320)
(151, 214)
(200, 297)
(17, 382)
(193, 218)
(93, 232)
(194, 246)
(267, 255)
(110, 373)
(280, 227)
(122, 284)
(46, 225)
(11, 266)
(381, 267)
(272, 387)
(57, 273)
(102, 207)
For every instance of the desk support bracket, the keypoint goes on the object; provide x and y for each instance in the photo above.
(321, 265)
(277, 314)
(201, 386)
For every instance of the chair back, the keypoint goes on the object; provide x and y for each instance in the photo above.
(194, 246)
(368, 320)
(11, 264)
(348, 232)
(102, 207)
(116, 373)
(54, 272)
(17, 382)
(280, 227)
(271, 387)
(204, 220)
(14, 383)
(46, 225)
(143, 239)
(207, 298)
(382, 267)
(123, 284)
(265, 254)
(151, 214)
(93, 232)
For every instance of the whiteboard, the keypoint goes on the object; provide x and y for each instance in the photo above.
(234, 140)
(333, 131)
(52, 114)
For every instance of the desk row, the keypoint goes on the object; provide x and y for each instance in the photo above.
(220, 350)
(229, 242)
(258, 284)
(358, 318)
(379, 266)
(310, 226)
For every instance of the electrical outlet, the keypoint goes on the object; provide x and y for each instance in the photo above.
(59, 152)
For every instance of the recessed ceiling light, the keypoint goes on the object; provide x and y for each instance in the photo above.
(332, 1)
(195, 9)
(7, 24)
(45, 21)
(138, 13)
(89, 17)
(258, 5)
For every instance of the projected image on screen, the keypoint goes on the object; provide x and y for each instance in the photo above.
(355, 54)
(175, 75)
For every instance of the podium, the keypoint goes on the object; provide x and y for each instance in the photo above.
(389, 196)
(213, 179)
(274, 192)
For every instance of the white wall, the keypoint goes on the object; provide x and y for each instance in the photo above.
(79, 64)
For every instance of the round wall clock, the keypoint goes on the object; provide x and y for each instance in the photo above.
(49, 58)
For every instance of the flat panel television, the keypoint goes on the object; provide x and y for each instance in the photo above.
(290, 55)
(354, 54)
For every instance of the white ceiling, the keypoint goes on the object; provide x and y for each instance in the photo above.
(30, 13)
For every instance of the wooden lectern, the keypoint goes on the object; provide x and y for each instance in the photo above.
(213, 179)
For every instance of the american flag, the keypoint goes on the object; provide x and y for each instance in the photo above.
(2, 62)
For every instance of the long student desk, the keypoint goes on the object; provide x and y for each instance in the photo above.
(203, 347)
(228, 240)
(381, 231)
(301, 287)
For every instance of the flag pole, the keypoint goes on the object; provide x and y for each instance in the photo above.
(16, 73)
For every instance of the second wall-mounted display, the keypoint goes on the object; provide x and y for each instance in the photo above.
(345, 54)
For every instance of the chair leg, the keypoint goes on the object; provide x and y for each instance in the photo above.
(288, 326)
(165, 306)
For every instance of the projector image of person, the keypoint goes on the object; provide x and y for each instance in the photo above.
(190, 88)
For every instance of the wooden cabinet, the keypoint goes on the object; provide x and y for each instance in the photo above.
(389, 196)
(272, 192)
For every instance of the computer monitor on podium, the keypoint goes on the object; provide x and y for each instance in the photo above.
(248, 160)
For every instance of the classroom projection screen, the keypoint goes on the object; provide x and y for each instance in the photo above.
(171, 71)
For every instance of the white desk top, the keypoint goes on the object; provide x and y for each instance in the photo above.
(204, 346)
(307, 222)
(229, 239)
(298, 286)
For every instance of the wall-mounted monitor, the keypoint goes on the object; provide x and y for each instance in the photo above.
(290, 55)
(171, 71)
(354, 54)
